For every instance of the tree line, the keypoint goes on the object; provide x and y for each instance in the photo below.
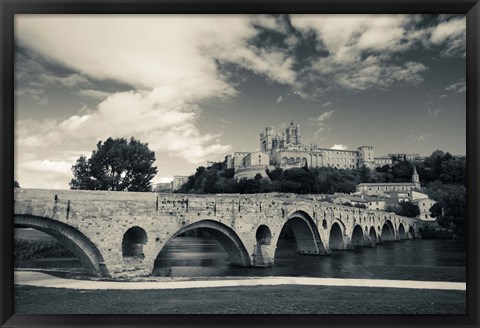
(440, 166)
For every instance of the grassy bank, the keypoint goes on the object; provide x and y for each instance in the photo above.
(241, 300)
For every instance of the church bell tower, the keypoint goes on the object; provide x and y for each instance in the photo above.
(415, 178)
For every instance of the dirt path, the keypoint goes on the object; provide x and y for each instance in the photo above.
(38, 279)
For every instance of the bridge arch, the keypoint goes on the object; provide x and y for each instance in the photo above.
(232, 244)
(80, 245)
(336, 240)
(305, 232)
(401, 232)
(411, 232)
(133, 241)
(388, 231)
(373, 235)
(358, 239)
(263, 235)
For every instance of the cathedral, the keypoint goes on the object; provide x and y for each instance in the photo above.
(287, 151)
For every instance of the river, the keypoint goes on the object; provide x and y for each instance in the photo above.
(434, 260)
(429, 260)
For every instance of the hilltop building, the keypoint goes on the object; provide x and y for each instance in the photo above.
(286, 151)
(380, 189)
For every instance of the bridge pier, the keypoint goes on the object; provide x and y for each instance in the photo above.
(347, 243)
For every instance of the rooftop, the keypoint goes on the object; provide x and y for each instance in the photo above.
(387, 184)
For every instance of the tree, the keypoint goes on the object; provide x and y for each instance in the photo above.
(409, 209)
(16, 184)
(451, 209)
(116, 164)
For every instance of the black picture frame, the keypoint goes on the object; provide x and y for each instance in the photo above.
(471, 8)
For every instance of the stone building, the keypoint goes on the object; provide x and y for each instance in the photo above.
(380, 189)
(381, 161)
(286, 151)
(394, 193)
(424, 204)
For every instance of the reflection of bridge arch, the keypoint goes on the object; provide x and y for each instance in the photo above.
(237, 253)
(306, 234)
(74, 240)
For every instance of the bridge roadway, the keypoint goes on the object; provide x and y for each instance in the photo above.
(120, 234)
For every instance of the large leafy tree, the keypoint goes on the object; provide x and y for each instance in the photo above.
(117, 164)
(451, 209)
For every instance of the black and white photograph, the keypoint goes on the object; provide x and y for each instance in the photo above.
(240, 164)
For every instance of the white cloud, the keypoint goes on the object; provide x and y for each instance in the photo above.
(339, 147)
(418, 138)
(224, 121)
(47, 166)
(164, 180)
(172, 62)
(323, 117)
(172, 73)
(435, 112)
(94, 93)
(452, 33)
(320, 121)
(458, 87)
(364, 50)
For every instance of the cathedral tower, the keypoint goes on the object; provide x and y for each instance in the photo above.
(415, 178)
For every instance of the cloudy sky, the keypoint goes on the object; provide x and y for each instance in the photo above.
(197, 88)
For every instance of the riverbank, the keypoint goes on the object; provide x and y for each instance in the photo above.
(240, 300)
(39, 279)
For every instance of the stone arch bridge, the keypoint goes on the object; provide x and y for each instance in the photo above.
(120, 234)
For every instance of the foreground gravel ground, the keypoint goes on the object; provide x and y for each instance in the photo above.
(241, 300)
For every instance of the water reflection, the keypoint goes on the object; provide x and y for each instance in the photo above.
(440, 260)
(413, 259)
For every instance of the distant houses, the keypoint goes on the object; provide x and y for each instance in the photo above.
(381, 196)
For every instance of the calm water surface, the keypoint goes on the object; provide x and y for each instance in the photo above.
(430, 260)
(437, 260)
